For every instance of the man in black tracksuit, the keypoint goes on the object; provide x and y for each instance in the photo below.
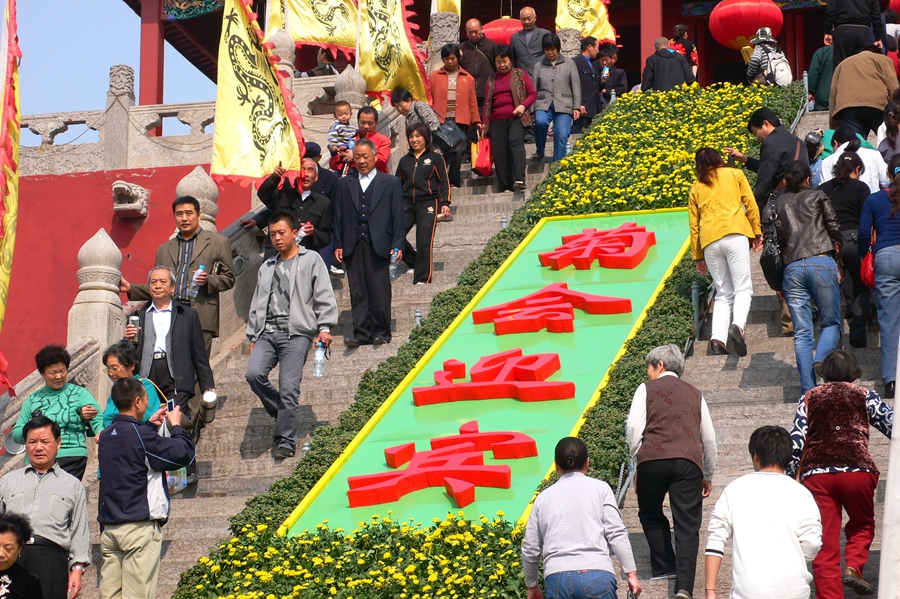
(426, 194)
(665, 69)
(847, 26)
(134, 497)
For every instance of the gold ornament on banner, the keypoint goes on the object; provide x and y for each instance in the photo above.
(590, 17)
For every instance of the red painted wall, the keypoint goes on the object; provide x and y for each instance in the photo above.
(57, 214)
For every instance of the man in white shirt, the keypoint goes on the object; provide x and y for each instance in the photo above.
(774, 524)
(671, 438)
(874, 167)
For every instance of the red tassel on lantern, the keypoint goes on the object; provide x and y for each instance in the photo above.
(500, 30)
(733, 23)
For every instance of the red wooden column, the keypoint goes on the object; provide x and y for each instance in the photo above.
(152, 56)
(651, 27)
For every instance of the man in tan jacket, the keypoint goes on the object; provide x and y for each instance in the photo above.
(184, 253)
(862, 85)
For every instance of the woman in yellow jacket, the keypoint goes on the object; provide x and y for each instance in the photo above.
(724, 222)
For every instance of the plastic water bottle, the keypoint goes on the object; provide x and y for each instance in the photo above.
(418, 316)
(811, 106)
(503, 222)
(194, 289)
(304, 450)
(176, 480)
(319, 360)
(393, 265)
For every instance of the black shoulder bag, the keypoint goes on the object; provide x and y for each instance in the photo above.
(770, 259)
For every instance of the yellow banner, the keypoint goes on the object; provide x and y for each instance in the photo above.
(388, 58)
(590, 17)
(325, 22)
(256, 128)
(9, 150)
(275, 21)
(449, 6)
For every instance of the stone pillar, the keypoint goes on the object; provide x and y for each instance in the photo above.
(97, 311)
(200, 185)
(286, 51)
(116, 126)
(444, 30)
(350, 87)
(570, 40)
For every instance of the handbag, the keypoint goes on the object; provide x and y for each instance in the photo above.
(483, 162)
(448, 137)
(770, 259)
(867, 269)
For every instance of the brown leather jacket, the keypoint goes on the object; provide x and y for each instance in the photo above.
(806, 224)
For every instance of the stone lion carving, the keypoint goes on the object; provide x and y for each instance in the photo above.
(130, 200)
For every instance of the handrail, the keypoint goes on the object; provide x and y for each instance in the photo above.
(804, 103)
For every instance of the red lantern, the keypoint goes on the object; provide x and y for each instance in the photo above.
(733, 23)
(501, 30)
(894, 5)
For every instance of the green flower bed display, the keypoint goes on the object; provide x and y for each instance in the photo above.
(636, 156)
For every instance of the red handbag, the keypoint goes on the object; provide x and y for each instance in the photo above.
(867, 270)
(483, 163)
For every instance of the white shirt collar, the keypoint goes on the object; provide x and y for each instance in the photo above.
(368, 177)
(668, 373)
(153, 308)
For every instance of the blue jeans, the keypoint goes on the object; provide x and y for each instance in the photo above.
(562, 127)
(583, 584)
(809, 280)
(887, 292)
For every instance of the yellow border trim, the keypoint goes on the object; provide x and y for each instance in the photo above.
(605, 380)
(313, 493)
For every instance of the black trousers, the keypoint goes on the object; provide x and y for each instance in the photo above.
(422, 216)
(159, 374)
(454, 159)
(862, 119)
(855, 294)
(74, 465)
(508, 148)
(848, 40)
(369, 277)
(50, 563)
(683, 481)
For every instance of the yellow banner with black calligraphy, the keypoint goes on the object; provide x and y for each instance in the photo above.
(328, 23)
(257, 127)
(389, 57)
(590, 17)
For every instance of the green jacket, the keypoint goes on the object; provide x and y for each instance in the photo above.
(820, 71)
(61, 406)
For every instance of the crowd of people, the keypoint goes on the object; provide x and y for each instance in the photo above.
(787, 513)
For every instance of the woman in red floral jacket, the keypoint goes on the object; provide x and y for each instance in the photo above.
(681, 43)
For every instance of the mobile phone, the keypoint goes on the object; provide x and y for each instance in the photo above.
(170, 405)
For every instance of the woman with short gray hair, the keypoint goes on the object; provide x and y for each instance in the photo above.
(671, 438)
(558, 86)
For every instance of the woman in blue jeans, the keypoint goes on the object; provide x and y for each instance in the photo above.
(879, 215)
(809, 236)
(573, 525)
(558, 86)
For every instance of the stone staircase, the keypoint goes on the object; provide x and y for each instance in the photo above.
(743, 394)
(234, 453)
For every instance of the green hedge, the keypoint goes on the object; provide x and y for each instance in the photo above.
(668, 321)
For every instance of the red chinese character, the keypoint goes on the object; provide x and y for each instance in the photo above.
(626, 246)
(551, 308)
(507, 374)
(455, 463)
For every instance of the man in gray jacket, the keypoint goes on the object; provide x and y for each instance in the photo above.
(526, 43)
(558, 86)
(293, 303)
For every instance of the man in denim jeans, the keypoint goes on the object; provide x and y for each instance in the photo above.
(809, 235)
(575, 525)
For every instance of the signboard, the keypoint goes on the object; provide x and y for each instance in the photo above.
(474, 425)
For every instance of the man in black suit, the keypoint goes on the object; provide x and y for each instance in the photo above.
(615, 78)
(311, 210)
(526, 43)
(368, 228)
(592, 101)
(171, 346)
